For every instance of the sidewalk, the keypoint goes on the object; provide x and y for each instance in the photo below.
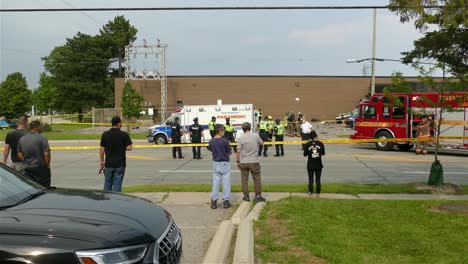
(191, 211)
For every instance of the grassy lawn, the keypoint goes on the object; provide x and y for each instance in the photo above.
(300, 188)
(304, 230)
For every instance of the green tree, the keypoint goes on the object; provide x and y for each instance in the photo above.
(82, 67)
(398, 85)
(15, 97)
(45, 96)
(445, 32)
(131, 103)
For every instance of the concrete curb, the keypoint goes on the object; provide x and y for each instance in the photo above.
(240, 213)
(219, 248)
(255, 212)
(244, 250)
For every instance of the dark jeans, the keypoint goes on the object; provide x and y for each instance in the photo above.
(196, 150)
(264, 136)
(318, 175)
(113, 178)
(279, 146)
(40, 175)
(176, 140)
(212, 133)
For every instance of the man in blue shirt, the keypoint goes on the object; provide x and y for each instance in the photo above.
(220, 150)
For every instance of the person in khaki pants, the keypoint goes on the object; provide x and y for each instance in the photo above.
(249, 162)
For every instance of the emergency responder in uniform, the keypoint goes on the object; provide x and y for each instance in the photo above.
(211, 126)
(423, 132)
(300, 119)
(263, 133)
(279, 137)
(285, 120)
(176, 134)
(271, 126)
(291, 124)
(196, 135)
(260, 115)
(229, 133)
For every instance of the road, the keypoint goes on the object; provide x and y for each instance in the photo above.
(343, 164)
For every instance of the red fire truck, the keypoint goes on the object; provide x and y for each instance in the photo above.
(388, 116)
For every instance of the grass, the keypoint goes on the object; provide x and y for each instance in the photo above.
(300, 188)
(296, 230)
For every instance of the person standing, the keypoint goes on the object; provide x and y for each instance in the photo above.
(114, 144)
(176, 134)
(220, 149)
(300, 119)
(314, 150)
(211, 126)
(263, 132)
(11, 144)
(196, 135)
(291, 124)
(248, 162)
(229, 133)
(279, 137)
(306, 128)
(423, 132)
(260, 115)
(34, 152)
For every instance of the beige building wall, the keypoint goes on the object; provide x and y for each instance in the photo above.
(319, 97)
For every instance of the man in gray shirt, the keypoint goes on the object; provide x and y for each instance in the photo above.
(11, 144)
(248, 161)
(34, 151)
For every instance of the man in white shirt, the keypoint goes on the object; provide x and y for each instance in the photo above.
(306, 128)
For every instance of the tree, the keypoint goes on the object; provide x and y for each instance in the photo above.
(15, 97)
(45, 96)
(82, 67)
(399, 84)
(131, 103)
(448, 42)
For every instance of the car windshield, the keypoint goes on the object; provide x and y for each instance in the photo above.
(15, 187)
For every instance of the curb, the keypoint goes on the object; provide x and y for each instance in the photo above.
(255, 213)
(244, 250)
(220, 244)
(240, 213)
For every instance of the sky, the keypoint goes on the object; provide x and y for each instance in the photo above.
(260, 42)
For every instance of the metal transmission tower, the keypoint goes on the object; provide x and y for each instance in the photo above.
(136, 69)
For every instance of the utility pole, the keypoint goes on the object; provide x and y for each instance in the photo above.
(372, 91)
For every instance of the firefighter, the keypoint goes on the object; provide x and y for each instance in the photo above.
(176, 134)
(211, 126)
(263, 132)
(423, 132)
(300, 119)
(196, 135)
(229, 133)
(285, 119)
(279, 137)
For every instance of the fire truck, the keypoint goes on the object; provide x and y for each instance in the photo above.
(388, 116)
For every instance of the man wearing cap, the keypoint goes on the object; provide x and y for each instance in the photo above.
(114, 144)
(211, 126)
(196, 135)
(263, 133)
(229, 132)
(176, 134)
(279, 137)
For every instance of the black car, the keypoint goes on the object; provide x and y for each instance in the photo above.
(67, 226)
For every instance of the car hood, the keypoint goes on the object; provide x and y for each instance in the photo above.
(109, 219)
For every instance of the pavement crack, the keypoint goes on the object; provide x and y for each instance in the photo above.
(371, 169)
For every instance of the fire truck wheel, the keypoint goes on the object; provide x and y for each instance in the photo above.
(384, 145)
(160, 139)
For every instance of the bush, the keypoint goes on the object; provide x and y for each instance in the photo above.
(46, 127)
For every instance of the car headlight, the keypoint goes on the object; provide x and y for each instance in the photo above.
(124, 255)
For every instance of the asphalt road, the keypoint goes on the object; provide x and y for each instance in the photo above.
(343, 164)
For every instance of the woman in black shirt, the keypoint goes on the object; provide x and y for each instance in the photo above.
(314, 150)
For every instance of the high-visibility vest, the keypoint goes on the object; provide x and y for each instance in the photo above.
(263, 125)
(229, 128)
(285, 121)
(279, 130)
(211, 125)
(271, 125)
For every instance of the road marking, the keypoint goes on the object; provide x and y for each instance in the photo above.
(190, 171)
(382, 158)
(143, 158)
(427, 172)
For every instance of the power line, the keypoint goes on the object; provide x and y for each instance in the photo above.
(83, 13)
(107, 9)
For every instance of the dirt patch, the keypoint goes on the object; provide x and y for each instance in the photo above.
(443, 189)
(278, 231)
(450, 208)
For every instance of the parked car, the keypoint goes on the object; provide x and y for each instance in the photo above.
(3, 124)
(13, 124)
(81, 226)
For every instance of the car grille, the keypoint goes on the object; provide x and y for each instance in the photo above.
(170, 247)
